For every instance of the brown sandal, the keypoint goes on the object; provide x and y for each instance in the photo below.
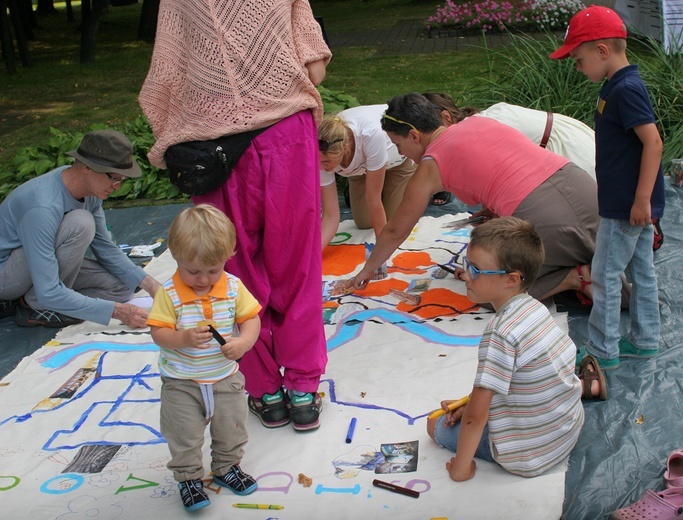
(585, 300)
(590, 371)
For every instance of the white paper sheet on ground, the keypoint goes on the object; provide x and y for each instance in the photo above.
(79, 422)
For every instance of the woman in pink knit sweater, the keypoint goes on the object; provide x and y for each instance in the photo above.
(223, 67)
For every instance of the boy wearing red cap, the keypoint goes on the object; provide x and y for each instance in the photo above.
(630, 188)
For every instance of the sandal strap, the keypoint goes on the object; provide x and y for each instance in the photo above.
(587, 379)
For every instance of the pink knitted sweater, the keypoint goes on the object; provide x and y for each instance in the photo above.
(223, 67)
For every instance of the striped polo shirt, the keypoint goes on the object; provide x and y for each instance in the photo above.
(179, 307)
(536, 413)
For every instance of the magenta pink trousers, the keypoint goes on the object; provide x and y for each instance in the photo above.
(273, 198)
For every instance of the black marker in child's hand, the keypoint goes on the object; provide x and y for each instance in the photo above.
(217, 335)
(446, 268)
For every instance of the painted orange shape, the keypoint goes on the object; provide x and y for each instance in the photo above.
(342, 260)
(439, 302)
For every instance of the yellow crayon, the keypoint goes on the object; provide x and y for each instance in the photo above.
(257, 506)
(452, 406)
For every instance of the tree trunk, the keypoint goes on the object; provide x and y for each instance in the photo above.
(89, 26)
(19, 34)
(147, 28)
(46, 7)
(28, 18)
(69, 11)
(6, 39)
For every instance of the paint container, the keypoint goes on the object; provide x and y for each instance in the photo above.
(677, 172)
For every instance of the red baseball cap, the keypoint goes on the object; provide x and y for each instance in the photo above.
(592, 23)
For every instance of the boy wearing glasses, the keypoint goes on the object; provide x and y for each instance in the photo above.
(46, 226)
(525, 411)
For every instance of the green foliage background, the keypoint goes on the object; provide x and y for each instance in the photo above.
(42, 119)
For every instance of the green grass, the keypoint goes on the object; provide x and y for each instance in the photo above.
(372, 80)
(58, 91)
(357, 15)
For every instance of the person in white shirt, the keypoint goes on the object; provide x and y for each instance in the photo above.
(353, 145)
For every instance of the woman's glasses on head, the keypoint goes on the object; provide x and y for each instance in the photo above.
(385, 116)
(323, 145)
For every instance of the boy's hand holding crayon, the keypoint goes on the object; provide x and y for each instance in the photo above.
(197, 337)
(453, 409)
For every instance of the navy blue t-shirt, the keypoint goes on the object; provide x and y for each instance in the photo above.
(623, 104)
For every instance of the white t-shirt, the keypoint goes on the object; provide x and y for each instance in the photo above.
(374, 149)
(569, 137)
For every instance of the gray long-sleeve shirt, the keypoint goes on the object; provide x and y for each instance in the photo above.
(30, 218)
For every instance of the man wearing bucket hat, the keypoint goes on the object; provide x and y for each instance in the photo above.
(628, 156)
(46, 226)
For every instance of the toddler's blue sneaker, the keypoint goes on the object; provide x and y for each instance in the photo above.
(605, 364)
(237, 481)
(192, 494)
(629, 350)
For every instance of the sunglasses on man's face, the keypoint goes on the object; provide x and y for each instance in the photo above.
(114, 180)
(323, 145)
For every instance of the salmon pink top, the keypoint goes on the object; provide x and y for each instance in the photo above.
(223, 67)
(485, 162)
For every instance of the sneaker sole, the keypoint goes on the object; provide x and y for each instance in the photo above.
(608, 368)
(29, 322)
(306, 427)
(198, 505)
(25, 323)
(35, 323)
(631, 351)
(641, 355)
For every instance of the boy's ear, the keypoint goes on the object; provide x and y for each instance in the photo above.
(603, 49)
(514, 278)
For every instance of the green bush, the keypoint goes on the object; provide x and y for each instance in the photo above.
(526, 76)
(153, 185)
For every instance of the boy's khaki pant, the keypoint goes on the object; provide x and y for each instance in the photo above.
(183, 425)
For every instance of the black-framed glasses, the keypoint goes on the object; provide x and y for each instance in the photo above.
(474, 272)
(399, 121)
(114, 181)
(323, 145)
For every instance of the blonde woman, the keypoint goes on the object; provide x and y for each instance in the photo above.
(353, 145)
